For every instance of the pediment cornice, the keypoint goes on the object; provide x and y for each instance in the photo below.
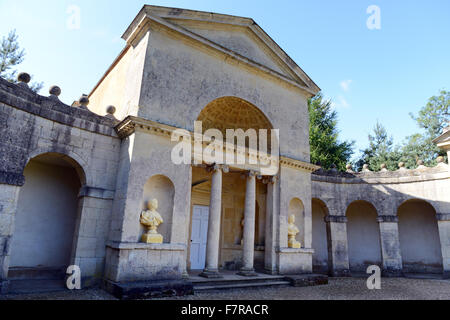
(164, 17)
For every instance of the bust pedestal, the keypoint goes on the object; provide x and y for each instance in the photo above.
(152, 238)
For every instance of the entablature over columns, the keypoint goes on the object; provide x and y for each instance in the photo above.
(265, 164)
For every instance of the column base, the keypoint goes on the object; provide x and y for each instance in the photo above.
(214, 274)
(270, 271)
(247, 273)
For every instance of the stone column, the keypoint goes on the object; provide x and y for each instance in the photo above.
(248, 253)
(272, 206)
(444, 235)
(338, 261)
(390, 246)
(215, 209)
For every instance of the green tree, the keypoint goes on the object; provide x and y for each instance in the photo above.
(432, 118)
(326, 149)
(12, 55)
(381, 150)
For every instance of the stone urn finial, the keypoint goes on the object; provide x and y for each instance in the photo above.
(401, 166)
(333, 168)
(366, 168)
(349, 167)
(54, 92)
(83, 101)
(23, 78)
(151, 219)
(420, 164)
(111, 110)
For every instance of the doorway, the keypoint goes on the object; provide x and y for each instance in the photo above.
(199, 237)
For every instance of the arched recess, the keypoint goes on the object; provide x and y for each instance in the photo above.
(234, 113)
(319, 236)
(161, 188)
(363, 234)
(46, 216)
(297, 209)
(419, 237)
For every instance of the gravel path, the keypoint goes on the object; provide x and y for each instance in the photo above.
(338, 289)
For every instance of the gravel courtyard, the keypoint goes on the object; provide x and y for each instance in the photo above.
(337, 289)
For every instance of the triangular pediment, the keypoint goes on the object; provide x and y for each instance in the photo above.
(240, 38)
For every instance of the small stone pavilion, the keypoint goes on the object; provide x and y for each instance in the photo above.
(95, 184)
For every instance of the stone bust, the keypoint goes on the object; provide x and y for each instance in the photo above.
(151, 219)
(293, 231)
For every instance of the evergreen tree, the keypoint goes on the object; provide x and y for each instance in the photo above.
(326, 149)
(12, 55)
(432, 118)
(381, 150)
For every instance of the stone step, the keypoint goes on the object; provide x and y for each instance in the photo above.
(36, 286)
(240, 285)
(36, 273)
(237, 280)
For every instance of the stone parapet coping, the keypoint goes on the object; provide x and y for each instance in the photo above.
(440, 172)
(291, 250)
(145, 246)
(53, 109)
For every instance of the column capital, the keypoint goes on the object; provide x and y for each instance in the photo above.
(269, 179)
(382, 219)
(336, 219)
(249, 174)
(273, 179)
(216, 167)
(252, 173)
(443, 216)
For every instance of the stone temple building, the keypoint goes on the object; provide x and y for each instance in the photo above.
(74, 180)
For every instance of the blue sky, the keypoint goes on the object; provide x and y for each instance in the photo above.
(369, 74)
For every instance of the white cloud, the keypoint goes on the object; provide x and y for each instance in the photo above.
(340, 103)
(345, 85)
